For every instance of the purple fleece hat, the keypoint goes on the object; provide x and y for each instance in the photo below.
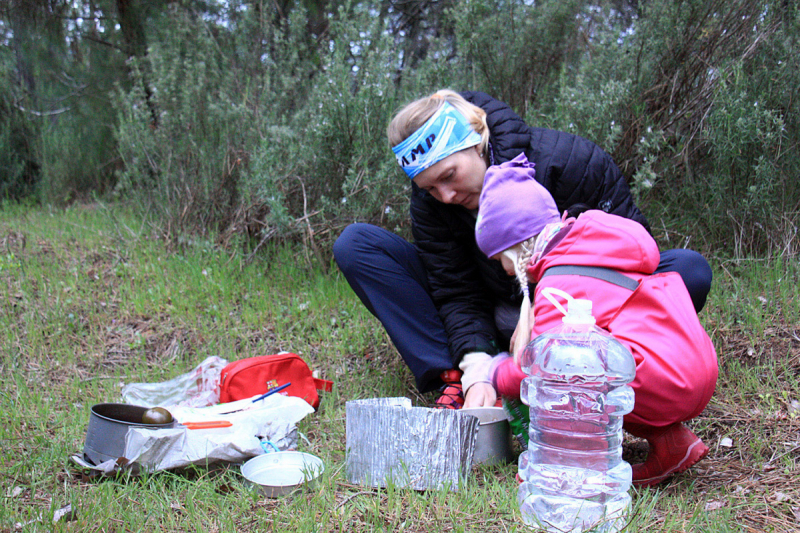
(513, 206)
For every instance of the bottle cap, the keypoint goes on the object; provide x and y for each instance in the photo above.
(579, 311)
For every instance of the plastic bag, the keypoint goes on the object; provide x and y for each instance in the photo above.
(198, 388)
(272, 419)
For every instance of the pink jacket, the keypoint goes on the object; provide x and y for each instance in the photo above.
(676, 364)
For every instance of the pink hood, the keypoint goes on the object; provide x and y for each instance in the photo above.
(599, 239)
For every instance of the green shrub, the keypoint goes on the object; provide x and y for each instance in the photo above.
(515, 50)
(268, 120)
(55, 121)
(218, 89)
(697, 102)
(730, 122)
(19, 170)
(77, 153)
(185, 140)
(748, 191)
(592, 112)
(331, 164)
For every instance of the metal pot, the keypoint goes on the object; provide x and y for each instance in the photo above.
(108, 425)
(493, 443)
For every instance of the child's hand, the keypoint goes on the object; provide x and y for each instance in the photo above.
(481, 394)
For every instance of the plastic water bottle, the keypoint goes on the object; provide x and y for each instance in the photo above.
(574, 478)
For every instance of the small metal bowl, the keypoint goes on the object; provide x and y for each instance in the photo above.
(493, 444)
(281, 473)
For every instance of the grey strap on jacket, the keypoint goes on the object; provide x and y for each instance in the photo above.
(602, 273)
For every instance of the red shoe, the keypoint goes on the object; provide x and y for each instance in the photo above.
(673, 449)
(452, 393)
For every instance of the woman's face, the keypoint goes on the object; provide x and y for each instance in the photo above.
(456, 179)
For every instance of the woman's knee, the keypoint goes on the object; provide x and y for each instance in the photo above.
(351, 244)
(695, 271)
(701, 268)
(698, 282)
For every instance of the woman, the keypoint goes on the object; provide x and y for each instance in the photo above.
(443, 303)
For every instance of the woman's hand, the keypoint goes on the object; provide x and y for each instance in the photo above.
(481, 394)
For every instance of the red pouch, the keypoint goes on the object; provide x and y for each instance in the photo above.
(256, 375)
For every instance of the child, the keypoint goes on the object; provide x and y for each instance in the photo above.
(676, 364)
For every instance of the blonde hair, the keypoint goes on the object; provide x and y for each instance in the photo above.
(521, 254)
(411, 117)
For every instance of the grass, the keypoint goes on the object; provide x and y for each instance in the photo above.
(91, 298)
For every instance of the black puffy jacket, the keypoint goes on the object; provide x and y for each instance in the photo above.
(465, 285)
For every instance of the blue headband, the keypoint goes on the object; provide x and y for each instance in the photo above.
(445, 133)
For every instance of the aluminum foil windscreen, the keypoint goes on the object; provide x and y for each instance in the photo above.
(417, 447)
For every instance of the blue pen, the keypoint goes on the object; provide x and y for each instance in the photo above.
(272, 391)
